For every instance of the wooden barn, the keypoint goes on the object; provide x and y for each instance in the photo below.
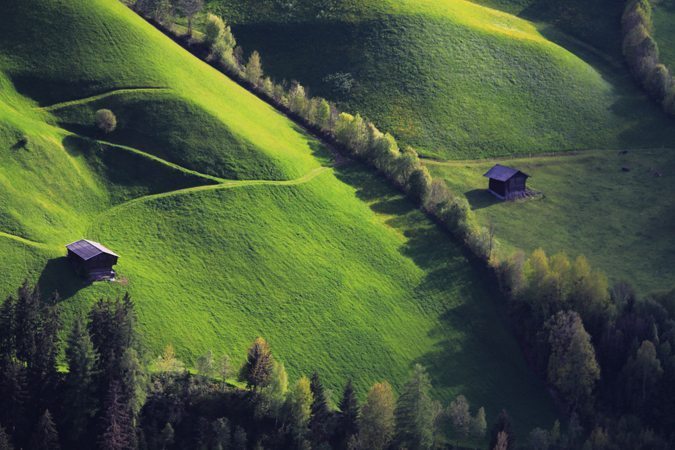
(92, 260)
(506, 182)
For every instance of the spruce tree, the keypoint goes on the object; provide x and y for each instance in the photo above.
(45, 436)
(259, 364)
(239, 439)
(8, 328)
(118, 433)
(222, 432)
(503, 425)
(319, 423)
(348, 418)
(14, 395)
(415, 412)
(5, 442)
(79, 392)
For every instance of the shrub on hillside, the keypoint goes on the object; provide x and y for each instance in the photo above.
(214, 29)
(659, 82)
(253, 70)
(105, 120)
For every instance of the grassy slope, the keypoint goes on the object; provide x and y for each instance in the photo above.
(664, 31)
(338, 272)
(452, 78)
(622, 221)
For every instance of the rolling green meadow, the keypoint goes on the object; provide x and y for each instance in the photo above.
(230, 220)
(454, 79)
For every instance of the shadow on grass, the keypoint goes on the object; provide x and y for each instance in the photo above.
(58, 276)
(475, 353)
(481, 198)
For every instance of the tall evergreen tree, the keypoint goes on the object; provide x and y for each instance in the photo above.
(8, 328)
(5, 441)
(45, 436)
(239, 439)
(14, 395)
(259, 364)
(348, 419)
(118, 433)
(79, 392)
(503, 426)
(415, 414)
(320, 420)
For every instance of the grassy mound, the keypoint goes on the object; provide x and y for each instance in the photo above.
(622, 221)
(454, 79)
(338, 272)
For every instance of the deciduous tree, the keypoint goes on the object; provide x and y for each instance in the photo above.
(376, 423)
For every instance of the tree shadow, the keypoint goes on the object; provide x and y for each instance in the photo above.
(59, 276)
(474, 353)
(481, 198)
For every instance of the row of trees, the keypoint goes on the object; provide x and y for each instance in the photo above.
(642, 54)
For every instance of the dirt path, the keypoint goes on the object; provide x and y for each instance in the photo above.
(93, 98)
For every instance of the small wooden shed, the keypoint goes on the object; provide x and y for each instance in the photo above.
(506, 182)
(92, 260)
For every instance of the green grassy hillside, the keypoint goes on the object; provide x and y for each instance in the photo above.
(622, 221)
(452, 78)
(228, 220)
(664, 31)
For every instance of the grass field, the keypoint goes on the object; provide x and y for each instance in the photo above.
(228, 218)
(664, 31)
(454, 79)
(622, 221)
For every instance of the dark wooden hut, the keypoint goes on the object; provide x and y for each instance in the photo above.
(507, 182)
(92, 260)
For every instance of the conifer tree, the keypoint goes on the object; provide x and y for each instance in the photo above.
(45, 436)
(319, 423)
(479, 424)
(348, 418)
(79, 392)
(118, 433)
(166, 436)
(221, 434)
(8, 328)
(5, 442)
(259, 364)
(239, 439)
(376, 423)
(14, 395)
(504, 429)
(415, 412)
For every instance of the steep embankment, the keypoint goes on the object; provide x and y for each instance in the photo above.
(228, 223)
(452, 78)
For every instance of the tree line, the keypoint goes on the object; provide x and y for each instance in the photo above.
(606, 353)
(642, 54)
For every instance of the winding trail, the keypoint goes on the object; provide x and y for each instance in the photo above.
(159, 160)
(227, 184)
(24, 241)
(93, 98)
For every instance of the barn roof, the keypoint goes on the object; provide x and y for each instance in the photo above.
(86, 249)
(502, 173)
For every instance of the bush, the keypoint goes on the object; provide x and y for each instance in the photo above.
(214, 30)
(253, 70)
(659, 82)
(419, 186)
(106, 120)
